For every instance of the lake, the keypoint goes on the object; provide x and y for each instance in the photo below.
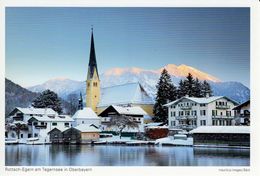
(118, 155)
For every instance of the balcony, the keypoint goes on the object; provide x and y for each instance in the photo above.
(186, 107)
(40, 126)
(18, 118)
(222, 117)
(222, 107)
(186, 127)
(186, 117)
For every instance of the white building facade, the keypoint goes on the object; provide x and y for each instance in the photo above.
(86, 116)
(27, 123)
(189, 112)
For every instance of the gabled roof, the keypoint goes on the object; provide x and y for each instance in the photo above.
(87, 128)
(202, 100)
(58, 128)
(129, 110)
(60, 118)
(241, 105)
(34, 111)
(85, 113)
(222, 129)
(130, 93)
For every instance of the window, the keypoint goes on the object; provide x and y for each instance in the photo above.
(29, 135)
(6, 134)
(67, 124)
(202, 105)
(173, 106)
(36, 135)
(193, 113)
(171, 114)
(221, 113)
(35, 123)
(42, 123)
(88, 84)
(228, 113)
(203, 122)
(214, 112)
(202, 112)
(174, 114)
(54, 124)
(82, 122)
(21, 135)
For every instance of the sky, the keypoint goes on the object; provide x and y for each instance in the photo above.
(47, 42)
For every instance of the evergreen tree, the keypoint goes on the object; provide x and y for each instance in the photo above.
(206, 89)
(181, 90)
(166, 92)
(189, 85)
(48, 99)
(197, 88)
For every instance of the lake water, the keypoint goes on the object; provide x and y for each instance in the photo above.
(116, 155)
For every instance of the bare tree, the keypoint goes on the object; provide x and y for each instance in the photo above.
(18, 126)
(121, 122)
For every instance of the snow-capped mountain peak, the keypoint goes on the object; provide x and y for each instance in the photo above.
(148, 79)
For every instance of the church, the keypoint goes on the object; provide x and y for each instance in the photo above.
(126, 95)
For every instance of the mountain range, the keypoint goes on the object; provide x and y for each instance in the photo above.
(148, 79)
(17, 96)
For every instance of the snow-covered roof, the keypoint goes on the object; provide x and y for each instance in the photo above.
(57, 118)
(222, 129)
(157, 127)
(59, 128)
(153, 124)
(130, 93)
(87, 128)
(202, 100)
(36, 111)
(136, 110)
(19, 122)
(85, 113)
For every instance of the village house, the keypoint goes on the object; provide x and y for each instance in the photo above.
(86, 116)
(136, 114)
(80, 134)
(39, 126)
(36, 123)
(242, 113)
(188, 113)
(21, 116)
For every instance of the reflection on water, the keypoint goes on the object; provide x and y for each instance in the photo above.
(107, 155)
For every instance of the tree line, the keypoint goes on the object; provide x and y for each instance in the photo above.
(167, 92)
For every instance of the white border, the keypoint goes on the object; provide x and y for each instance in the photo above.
(130, 171)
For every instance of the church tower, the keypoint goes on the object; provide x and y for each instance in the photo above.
(93, 82)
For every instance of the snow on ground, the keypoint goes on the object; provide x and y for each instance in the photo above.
(171, 141)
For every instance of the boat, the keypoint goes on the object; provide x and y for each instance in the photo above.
(9, 141)
(34, 141)
(176, 140)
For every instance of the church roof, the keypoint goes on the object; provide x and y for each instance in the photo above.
(92, 58)
(130, 93)
(85, 113)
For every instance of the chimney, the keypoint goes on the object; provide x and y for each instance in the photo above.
(207, 95)
(186, 96)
